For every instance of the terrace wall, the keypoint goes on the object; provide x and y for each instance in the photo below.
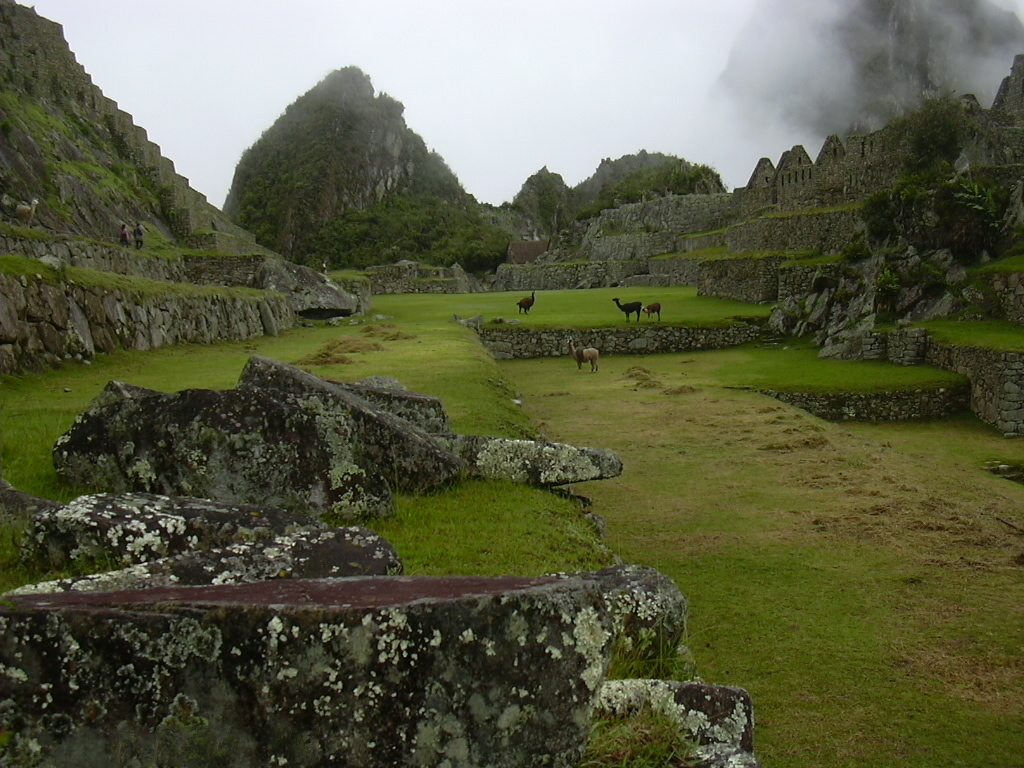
(528, 343)
(42, 324)
(910, 405)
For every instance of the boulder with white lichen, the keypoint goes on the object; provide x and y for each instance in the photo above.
(719, 719)
(134, 528)
(240, 446)
(647, 608)
(307, 553)
(392, 445)
(532, 461)
(367, 672)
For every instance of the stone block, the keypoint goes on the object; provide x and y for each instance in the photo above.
(365, 673)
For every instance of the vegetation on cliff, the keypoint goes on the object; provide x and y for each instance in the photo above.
(340, 178)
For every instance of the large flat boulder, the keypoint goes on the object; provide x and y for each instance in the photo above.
(367, 673)
(306, 553)
(398, 451)
(133, 528)
(533, 462)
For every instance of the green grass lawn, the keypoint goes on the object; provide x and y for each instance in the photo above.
(584, 309)
(989, 334)
(855, 578)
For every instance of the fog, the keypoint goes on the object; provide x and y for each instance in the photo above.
(499, 91)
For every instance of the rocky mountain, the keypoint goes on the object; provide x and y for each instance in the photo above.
(847, 67)
(340, 147)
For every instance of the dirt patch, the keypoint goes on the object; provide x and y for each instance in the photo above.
(556, 394)
(379, 329)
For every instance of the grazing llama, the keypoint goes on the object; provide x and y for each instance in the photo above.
(525, 304)
(633, 306)
(581, 356)
(653, 309)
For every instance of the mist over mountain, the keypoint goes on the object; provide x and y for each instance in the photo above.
(848, 66)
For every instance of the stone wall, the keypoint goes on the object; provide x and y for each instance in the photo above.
(827, 231)
(752, 280)
(1009, 289)
(675, 213)
(639, 245)
(997, 382)
(797, 281)
(88, 254)
(676, 271)
(417, 278)
(639, 339)
(879, 406)
(554, 277)
(44, 324)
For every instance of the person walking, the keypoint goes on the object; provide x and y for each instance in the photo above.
(140, 233)
(125, 234)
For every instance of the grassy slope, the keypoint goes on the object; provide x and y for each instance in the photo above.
(853, 578)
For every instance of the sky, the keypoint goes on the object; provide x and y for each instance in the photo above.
(498, 90)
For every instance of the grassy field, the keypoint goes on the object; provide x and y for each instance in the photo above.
(587, 309)
(855, 578)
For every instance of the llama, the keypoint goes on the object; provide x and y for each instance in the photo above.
(525, 304)
(653, 309)
(633, 306)
(581, 356)
(25, 212)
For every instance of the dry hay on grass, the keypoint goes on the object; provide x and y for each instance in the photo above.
(642, 377)
(387, 332)
(561, 393)
(684, 389)
(336, 351)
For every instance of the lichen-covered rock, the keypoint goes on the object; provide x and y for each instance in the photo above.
(365, 673)
(381, 443)
(310, 293)
(715, 716)
(648, 610)
(139, 527)
(234, 446)
(15, 503)
(307, 553)
(422, 411)
(534, 462)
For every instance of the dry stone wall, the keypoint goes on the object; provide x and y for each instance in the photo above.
(751, 280)
(418, 278)
(44, 324)
(827, 231)
(797, 281)
(88, 254)
(880, 406)
(676, 271)
(997, 382)
(527, 343)
(1009, 289)
(554, 277)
